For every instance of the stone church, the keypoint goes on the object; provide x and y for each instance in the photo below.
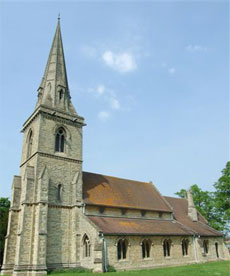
(63, 217)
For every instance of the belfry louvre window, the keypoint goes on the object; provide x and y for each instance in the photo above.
(145, 248)
(60, 140)
(59, 192)
(166, 247)
(122, 247)
(184, 245)
(86, 246)
(205, 246)
(30, 143)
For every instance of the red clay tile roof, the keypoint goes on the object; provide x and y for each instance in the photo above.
(180, 208)
(112, 191)
(128, 226)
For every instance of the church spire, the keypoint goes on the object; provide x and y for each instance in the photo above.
(54, 89)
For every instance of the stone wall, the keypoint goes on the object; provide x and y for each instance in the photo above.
(134, 258)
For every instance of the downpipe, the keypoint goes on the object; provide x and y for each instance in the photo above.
(105, 265)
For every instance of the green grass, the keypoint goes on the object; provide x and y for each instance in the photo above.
(221, 268)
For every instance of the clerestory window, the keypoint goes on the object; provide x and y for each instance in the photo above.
(60, 140)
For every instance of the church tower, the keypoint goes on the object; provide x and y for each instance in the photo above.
(47, 196)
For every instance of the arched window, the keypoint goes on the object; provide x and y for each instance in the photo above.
(60, 94)
(86, 246)
(59, 192)
(30, 143)
(205, 246)
(122, 247)
(145, 248)
(166, 247)
(184, 246)
(60, 140)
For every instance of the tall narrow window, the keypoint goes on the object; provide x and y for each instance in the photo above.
(166, 247)
(217, 250)
(59, 192)
(184, 246)
(122, 247)
(30, 143)
(205, 246)
(60, 94)
(60, 140)
(86, 246)
(145, 248)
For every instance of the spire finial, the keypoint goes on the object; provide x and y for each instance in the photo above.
(59, 17)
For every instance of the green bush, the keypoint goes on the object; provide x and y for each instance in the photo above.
(110, 268)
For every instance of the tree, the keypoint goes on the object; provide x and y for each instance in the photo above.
(204, 203)
(214, 206)
(4, 211)
(222, 198)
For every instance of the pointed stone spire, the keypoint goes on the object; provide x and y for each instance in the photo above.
(192, 212)
(54, 89)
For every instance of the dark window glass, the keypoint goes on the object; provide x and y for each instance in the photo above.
(124, 249)
(122, 246)
(30, 143)
(59, 192)
(166, 248)
(119, 250)
(86, 245)
(145, 249)
(217, 250)
(205, 245)
(184, 245)
(60, 94)
(60, 140)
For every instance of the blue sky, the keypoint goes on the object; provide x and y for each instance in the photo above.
(151, 79)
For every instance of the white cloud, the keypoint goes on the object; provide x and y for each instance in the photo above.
(172, 70)
(100, 89)
(114, 103)
(103, 115)
(196, 48)
(122, 62)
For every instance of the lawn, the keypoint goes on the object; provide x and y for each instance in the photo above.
(207, 269)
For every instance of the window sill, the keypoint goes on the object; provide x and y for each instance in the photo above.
(58, 153)
(168, 257)
(147, 259)
(123, 261)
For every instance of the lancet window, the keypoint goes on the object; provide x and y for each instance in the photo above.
(205, 246)
(30, 143)
(184, 246)
(166, 247)
(86, 246)
(59, 192)
(122, 247)
(146, 245)
(60, 140)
